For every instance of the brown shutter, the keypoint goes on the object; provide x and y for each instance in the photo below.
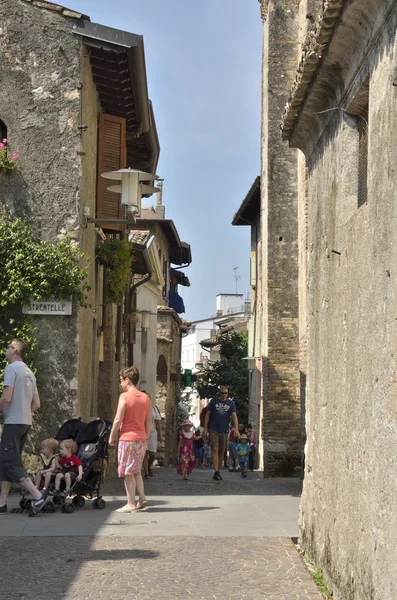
(111, 157)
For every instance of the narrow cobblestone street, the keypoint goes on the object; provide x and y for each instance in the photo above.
(199, 539)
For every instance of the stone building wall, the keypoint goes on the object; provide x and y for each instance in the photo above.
(281, 396)
(39, 103)
(348, 518)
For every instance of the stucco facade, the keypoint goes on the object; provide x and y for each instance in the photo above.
(169, 345)
(344, 120)
(249, 214)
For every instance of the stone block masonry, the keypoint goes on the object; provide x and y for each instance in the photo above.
(281, 374)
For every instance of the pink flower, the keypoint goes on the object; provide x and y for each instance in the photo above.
(1, 147)
(4, 141)
(14, 156)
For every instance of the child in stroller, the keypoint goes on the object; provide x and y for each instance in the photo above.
(49, 452)
(69, 467)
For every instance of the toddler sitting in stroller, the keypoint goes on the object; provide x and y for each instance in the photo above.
(69, 467)
(49, 454)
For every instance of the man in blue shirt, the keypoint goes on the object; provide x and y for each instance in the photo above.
(217, 420)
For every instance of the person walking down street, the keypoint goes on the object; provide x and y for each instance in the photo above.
(134, 422)
(217, 419)
(155, 438)
(252, 442)
(198, 448)
(243, 450)
(187, 460)
(233, 441)
(18, 402)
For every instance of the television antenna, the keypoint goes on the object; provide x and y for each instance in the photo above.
(236, 277)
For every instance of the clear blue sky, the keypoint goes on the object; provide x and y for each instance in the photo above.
(203, 61)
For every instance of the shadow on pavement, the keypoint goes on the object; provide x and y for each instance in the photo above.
(166, 482)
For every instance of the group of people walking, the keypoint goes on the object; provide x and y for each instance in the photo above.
(219, 437)
(136, 430)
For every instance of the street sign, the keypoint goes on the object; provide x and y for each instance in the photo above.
(48, 308)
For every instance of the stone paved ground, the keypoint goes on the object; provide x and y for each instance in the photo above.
(163, 567)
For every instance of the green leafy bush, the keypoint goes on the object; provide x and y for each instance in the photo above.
(115, 255)
(231, 370)
(33, 268)
(38, 269)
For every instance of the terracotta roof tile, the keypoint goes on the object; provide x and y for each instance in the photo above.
(66, 12)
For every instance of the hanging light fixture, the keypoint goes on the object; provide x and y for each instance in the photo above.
(131, 188)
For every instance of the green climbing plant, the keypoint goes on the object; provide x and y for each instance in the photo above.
(115, 255)
(33, 268)
(37, 268)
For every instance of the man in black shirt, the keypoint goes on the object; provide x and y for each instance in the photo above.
(217, 420)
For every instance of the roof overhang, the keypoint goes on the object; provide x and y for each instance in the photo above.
(249, 210)
(323, 86)
(180, 252)
(58, 8)
(119, 72)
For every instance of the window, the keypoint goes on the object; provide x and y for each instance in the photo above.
(165, 275)
(111, 157)
(362, 189)
(3, 131)
(359, 110)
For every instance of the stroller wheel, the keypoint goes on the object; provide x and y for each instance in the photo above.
(49, 507)
(98, 503)
(67, 508)
(22, 503)
(27, 504)
(101, 503)
(79, 501)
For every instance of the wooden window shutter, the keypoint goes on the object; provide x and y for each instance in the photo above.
(111, 157)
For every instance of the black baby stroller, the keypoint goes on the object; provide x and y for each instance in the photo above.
(69, 430)
(92, 442)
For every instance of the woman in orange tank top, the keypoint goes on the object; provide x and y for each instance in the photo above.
(133, 422)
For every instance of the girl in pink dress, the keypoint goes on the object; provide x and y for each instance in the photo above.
(187, 459)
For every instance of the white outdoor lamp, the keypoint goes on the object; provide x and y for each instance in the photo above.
(131, 188)
(145, 319)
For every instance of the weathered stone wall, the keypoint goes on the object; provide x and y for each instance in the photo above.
(348, 518)
(39, 103)
(281, 401)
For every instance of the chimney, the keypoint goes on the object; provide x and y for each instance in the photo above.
(160, 209)
(219, 313)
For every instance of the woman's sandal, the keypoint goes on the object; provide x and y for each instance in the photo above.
(142, 505)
